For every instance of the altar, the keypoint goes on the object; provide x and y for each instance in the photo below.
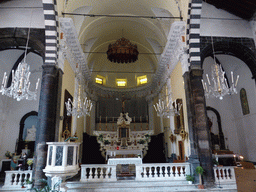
(116, 161)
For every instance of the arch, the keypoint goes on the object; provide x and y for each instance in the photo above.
(232, 48)
(16, 38)
(22, 122)
(221, 135)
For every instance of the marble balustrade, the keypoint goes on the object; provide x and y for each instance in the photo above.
(224, 174)
(14, 179)
(152, 171)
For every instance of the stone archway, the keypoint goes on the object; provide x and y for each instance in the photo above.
(242, 48)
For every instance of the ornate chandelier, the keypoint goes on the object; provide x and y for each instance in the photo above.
(20, 84)
(122, 51)
(166, 109)
(80, 106)
(19, 88)
(219, 86)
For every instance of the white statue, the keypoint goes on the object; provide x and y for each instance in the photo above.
(31, 134)
(121, 120)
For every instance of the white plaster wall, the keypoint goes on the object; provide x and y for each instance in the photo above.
(239, 129)
(224, 28)
(17, 13)
(11, 111)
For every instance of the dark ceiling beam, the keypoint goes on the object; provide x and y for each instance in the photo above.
(122, 16)
(139, 53)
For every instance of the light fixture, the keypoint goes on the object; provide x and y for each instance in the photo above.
(19, 88)
(122, 51)
(166, 108)
(99, 80)
(121, 82)
(219, 86)
(80, 106)
(142, 80)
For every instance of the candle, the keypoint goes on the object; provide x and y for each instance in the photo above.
(208, 79)
(232, 77)
(3, 78)
(37, 83)
(236, 80)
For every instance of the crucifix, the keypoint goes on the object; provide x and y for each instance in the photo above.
(123, 103)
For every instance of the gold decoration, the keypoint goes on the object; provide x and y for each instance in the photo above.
(183, 134)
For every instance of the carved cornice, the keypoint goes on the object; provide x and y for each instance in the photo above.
(174, 51)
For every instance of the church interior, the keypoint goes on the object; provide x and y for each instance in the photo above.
(127, 83)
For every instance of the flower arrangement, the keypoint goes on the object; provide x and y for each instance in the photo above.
(30, 162)
(8, 154)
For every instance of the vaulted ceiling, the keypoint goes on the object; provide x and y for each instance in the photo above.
(101, 22)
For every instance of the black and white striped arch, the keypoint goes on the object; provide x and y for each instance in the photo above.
(193, 33)
(51, 31)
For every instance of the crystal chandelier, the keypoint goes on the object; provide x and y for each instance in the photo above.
(219, 86)
(122, 51)
(80, 106)
(166, 109)
(20, 84)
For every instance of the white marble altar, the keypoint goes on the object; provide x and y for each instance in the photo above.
(115, 161)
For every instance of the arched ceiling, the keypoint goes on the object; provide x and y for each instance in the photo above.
(131, 21)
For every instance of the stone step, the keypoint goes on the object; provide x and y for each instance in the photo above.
(139, 186)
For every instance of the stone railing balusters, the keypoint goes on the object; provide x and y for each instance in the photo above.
(14, 179)
(224, 174)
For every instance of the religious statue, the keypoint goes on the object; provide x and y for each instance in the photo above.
(31, 134)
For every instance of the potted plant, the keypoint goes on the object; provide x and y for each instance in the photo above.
(29, 183)
(47, 187)
(200, 171)
(8, 155)
(190, 178)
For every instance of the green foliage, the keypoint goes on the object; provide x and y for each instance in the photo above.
(46, 187)
(190, 178)
(106, 142)
(141, 141)
(215, 162)
(100, 137)
(8, 154)
(199, 170)
(29, 182)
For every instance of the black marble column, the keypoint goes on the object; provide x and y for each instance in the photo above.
(47, 115)
(193, 158)
(198, 125)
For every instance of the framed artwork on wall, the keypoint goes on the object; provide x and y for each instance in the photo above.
(244, 102)
(67, 120)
